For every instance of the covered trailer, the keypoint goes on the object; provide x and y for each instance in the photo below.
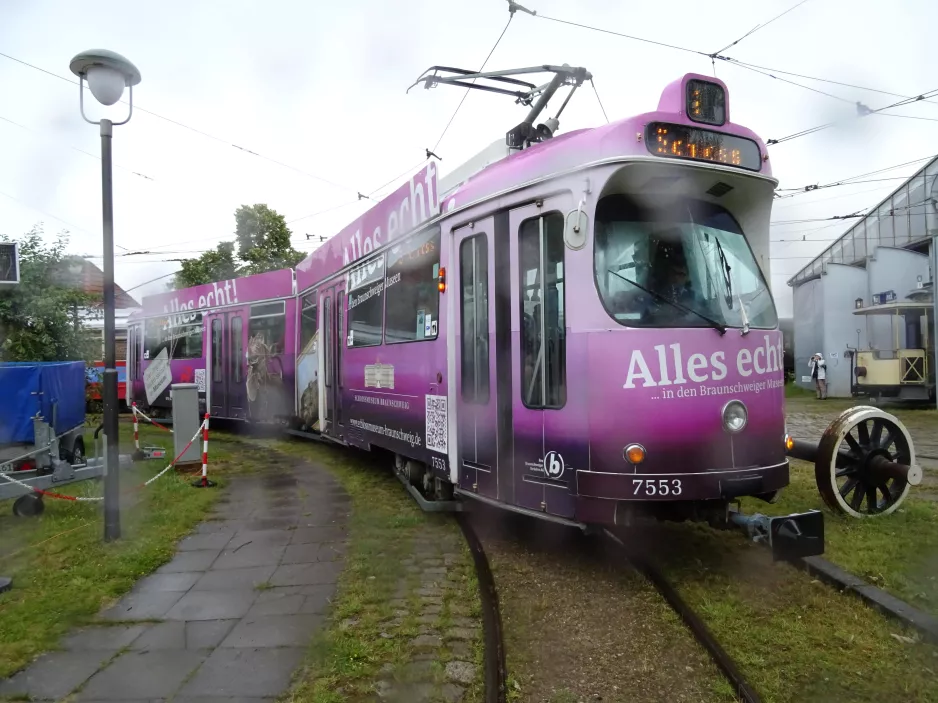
(42, 420)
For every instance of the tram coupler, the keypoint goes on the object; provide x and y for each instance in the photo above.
(789, 536)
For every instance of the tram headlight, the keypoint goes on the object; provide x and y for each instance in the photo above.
(634, 454)
(735, 416)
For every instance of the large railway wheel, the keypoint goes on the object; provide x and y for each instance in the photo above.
(865, 463)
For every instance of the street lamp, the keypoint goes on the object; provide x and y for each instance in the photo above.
(107, 74)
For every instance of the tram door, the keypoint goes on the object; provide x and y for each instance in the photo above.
(333, 324)
(548, 417)
(226, 364)
(484, 458)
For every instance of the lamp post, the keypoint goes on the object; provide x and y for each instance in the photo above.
(107, 74)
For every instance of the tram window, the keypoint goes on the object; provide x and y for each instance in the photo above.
(237, 349)
(180, 334)
(365, 288)
(474, 311)
(216, 351)
(411, 289)
(543, 336)
(684, 265)
(308, 321)
(268, 322)
(328, 346)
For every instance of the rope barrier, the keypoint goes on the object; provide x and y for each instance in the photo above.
(138, 411)
(203, 429)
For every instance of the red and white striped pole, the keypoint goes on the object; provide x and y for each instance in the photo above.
(137, 453)
(204, 482)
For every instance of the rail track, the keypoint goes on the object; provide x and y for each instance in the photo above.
(496, 670)
(724, 662)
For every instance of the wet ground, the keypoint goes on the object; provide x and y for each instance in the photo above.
(229, 618)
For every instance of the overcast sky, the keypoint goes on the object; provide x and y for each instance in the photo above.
(319, 86)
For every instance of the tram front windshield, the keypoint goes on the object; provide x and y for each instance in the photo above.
(684, 265)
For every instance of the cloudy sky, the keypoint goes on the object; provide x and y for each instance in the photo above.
(320, 88)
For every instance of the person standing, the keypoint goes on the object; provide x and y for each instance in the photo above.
(819, 375)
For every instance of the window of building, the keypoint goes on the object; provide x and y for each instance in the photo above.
(269, 322)
(917, 206)
(216, 351)
(474, 312)
(180, 334)
(237, 349)
(308, 321)
(412, 297)
(543, 336)
(900, 215)
(365, 286)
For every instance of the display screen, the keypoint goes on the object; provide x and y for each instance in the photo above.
(681, 142)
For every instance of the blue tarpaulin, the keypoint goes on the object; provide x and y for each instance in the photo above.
(28, 388)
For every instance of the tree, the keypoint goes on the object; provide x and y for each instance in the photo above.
(264, 240)
(217, 264)
(42, 318)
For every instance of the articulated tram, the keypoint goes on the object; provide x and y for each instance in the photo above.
(577, 325)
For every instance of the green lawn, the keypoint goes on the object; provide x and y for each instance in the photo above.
(63, 571)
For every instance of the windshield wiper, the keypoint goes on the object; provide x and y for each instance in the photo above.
(719, 327)
(728, 278)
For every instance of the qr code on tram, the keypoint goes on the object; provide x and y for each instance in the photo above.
(436, 423)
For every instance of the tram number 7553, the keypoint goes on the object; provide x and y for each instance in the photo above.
(660, 486)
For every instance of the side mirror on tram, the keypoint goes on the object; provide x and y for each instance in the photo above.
(575, 229)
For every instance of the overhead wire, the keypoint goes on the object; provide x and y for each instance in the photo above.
(599, 100)
(759, 26)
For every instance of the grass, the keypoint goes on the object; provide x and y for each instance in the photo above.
(349, 654)
(897, 552)
(63, 571)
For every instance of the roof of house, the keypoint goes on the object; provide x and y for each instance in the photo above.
(91, 280)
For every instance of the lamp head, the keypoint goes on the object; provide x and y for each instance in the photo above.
(107, 73)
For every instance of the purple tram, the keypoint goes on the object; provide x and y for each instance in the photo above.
(578, 326)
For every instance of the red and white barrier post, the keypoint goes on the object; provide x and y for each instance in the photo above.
(203, 482)
(137, 455)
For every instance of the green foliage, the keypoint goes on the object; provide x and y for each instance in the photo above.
(264, 240)
(42, 318)
(217, 264)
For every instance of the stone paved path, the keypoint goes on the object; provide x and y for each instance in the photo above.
(441, 650)
(236, 607)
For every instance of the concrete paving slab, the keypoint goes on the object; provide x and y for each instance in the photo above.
(301, 553)
(307, 535)
(237, 671)
(212, 605)
(54, 675)
(318, 598)
(142, 674)
(174, 581)
(142, 606)
(273, 631)
(283, 604)
(212, 540)
(306, 574)
(195, 560)
(273, 538)
(220, 699)
(273, 523)
(105, 637)
(248, 554)
(234, 579)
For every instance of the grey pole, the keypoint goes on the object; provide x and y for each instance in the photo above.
(112, 527)
(934, 299)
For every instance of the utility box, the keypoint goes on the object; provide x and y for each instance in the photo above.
(186, 420)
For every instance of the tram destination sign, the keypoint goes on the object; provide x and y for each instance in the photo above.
(681, 142)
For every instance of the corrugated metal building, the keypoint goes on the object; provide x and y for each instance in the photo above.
(883, 256)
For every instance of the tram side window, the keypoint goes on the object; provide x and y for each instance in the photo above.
(216, 351)
(268, 323)
(365, 288)
(474, 311)
(411, 289)
(308, 322)
(543, 337)
(180, 334)
(237, 349)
